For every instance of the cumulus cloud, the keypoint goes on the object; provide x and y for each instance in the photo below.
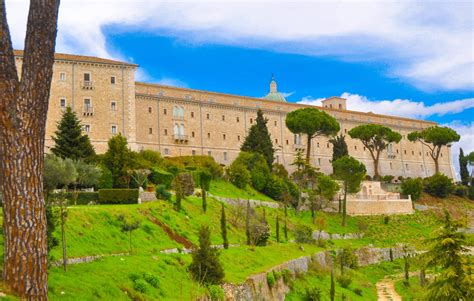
(398, 107)
(427, 43)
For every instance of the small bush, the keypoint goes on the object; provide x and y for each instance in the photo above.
(140, 285)
(118, 196)
(461, 190)
(303, 234)
(344, 280)
(216, 293)
(83, 198)
(239, 175)
(277, 275)
(106, 179)
(386, 219)
(158, 176)
(151, 279)
(387, 178)
(471, 192)
(413, 187)
(134, 276)
(368, 178)
(438, 185)
(287, 276)
(270, 279)
(161, 193)
(358, 291)
(313, 294)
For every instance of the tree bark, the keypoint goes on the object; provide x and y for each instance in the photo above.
(23, 111)
(344, 205)
(308, 149)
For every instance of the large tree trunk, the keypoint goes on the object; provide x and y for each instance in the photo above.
(23, 111)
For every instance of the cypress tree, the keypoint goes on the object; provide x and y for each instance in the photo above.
(205, 182)
(277, 229)
(118, 160)
(69, 141)
(464, 172)
(224, 228)
(247, 223)
(339, 148)
(332, 292)
(285, 230)
(258, 140)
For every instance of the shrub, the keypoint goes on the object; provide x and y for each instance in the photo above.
(303, 234)
(347, 258)
(287, 276)
(85, 198)
(275, 187)
(386, 219)
(471, 192)
(368, 178)
(140, 285)
(187, 183)
(461, 190)
(216, 293)
(387, 178)
(358, 291)
(134, 276)
(438, 185)
(277, 275)
(161, 193)
(313, 294)
(270, 279)
(158, 176)
(259, 232)
(105, 180)
(118, 196)
(413, 187)
(151, 279)
(260, 174)
(197, 162)
(238, 175)
(344, 280)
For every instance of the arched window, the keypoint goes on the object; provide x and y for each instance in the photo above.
(181, 130)
(176, 130)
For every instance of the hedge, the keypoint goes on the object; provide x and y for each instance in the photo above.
(118, 196)
(158, 176)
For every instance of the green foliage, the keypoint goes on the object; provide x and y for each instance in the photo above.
(303, 234)
(216, 293)
(239, 175)
(270, 279)
(118, 159)
(386, 219)
(225, 243)
(387, 178)
(205, 178)
(326, 187)
(206, 267)
(358, 291)
(58, 172)
(258, 140)
(162, 193)
(151, 279)
(158, 176)
(347, 258)
(448, 252)
(69, 141)
(413, 187)
(147, 159)
(85, 198)
(350, 171)
(438, 185)
(344, 280)
(287, 276)
(375, 138)
(463, 171)
(461, 190)
(140, 285)
(339, 147)
(313, 294)
(118, 196)
(180, 164)
(275, 187)
(106, 179)
(311, 122)
(186, 183)
(259, 231)
(88, 175)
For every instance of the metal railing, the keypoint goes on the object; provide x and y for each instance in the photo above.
(88, 110)
(87, 84)
(178, 137)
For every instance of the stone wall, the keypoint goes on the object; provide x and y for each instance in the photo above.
(380, 207)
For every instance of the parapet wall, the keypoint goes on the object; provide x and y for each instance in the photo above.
(379, 207)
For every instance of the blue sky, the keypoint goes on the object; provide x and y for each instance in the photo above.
(411, 58)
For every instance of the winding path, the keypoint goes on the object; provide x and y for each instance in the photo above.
(386, 290)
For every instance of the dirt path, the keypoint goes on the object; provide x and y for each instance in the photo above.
(386, 290)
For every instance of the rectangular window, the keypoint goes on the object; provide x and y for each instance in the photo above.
(207, 116)
(112, 80)
(251, 120)
(223, 117)
(319, 161)
(165, 111)
(276, 141)
(87, 102)
(62, 103)
(238, 119)
(208, 135)
(150, 109)
(317, 144)
(87, 77)
(406, 165)
(209, 153)
(276, 123)
(62, 76)
(114, 129)
(166, 132)
(225, 156)
(167, 151)
(192, 114)
(192, 134)
(193, 152)
(287, 142)
(223, 136)
(327, 145)
(113, 105)
(150, 131)
(238, 137)
(87, 128)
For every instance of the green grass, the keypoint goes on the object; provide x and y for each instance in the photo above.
(412, 292)
(225, 189)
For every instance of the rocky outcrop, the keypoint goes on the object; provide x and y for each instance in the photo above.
(257, 288)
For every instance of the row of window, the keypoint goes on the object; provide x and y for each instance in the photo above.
(87, 77)
(113, 128)
(87, 104)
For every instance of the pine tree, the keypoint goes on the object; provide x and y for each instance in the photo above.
(69, 140)
(339, 147)
(464, 172)
(258, 140)
(277, 229)
(224, 228)
(206, 267)
(448, 253)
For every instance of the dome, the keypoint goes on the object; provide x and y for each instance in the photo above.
(274, 95)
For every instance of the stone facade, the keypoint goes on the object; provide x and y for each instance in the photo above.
(178, 121)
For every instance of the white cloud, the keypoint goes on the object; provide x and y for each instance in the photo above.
(167, 81)
(399, 107)
(466, 130)
(427, 43)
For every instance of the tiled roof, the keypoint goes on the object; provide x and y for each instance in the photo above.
(80, 58)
